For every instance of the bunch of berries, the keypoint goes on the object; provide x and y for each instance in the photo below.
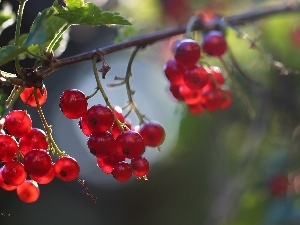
(117, 147)
(24, 152)
(201, 88)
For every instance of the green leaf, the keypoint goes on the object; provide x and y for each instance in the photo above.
(44, 29)
(7, 17)
(80, 13)
(9, 52)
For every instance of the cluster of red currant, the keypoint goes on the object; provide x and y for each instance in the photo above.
(24, 150)
(118, 148)
(201, 88)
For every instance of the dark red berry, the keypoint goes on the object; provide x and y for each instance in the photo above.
(196, 108)
(17, 123)
(73, 103)
(101, 144)
(45, 179)
(214, 43)
(4, 185)
(216, 78)
(122, 171)
(187, 52)
(175, 91)
(37, 162)
(13, 173)
(66, 168)
(28, 191)
(130, 144)
(190, 96)
(140, 166)
(153, 134)
(174, 72)
(27, 96)
(8, 148)
(196, 77)
(212, 99)
(35, 139)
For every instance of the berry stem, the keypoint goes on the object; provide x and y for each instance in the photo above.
(57, 37)
(191, 24)
(47, 126)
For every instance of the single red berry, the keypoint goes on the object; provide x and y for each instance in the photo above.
(212, 99)
(196, 77)
(17, 123)
(13, 173)
(214, 43)
(45, 179)
(130, 144)
(34, 139)
(196, 108)
(174, 72)
(140, 166)
(27, 96)
(101, 144)
(115, 131)
(216, 77)
(122, 171)
(187, 52)
(37, 162)
(227, 99)
(73, 103)
(98, 118)
(28, 191)
(190, 96)
(175, 91)
(153, 134)
(66, 168)
(4, 185)
(8, 148)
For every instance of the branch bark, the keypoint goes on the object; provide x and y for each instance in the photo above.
(150, 38)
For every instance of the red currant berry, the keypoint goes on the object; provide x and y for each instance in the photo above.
(73, 103)
(212, 99)
(175, 91)
(115, 131)
(66, 168)
(153, 134)
(140, 166)
(98, 118)
(130, 144)
(8, 148)
(227, 99)
(214, 43)
(4, 185)
(196, 77)
(13, 173)
(187, 52)
(196, 108)
(27, 96)
(35, 139)
(45, 179)
(174, 72)
(122, 171)
(108, 163)
(17, 123)
(216, 78)
(28, 191)
(190, 96)
(37, 162)
(101, 144)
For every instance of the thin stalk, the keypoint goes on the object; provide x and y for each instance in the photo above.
(57, 37)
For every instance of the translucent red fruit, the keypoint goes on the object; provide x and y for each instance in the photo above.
(17, 123)
(28, 191)
(13, 173)
(153, 134)
(101, 144)
(214, 43)
(213, 99)
(27, 96)
(45, 179)
(122, 171)
(190, 96)
(175, 91)
(130, 144)
(8, 148)
(216, 77)
(37, 162)
(66, 168)
(174, 72)
(98, 118)
(187, 52)
(35, 139)
(5, 186)
(196, 77)
(140, 166)
(73, 103)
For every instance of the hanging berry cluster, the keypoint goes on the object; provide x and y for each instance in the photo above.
(199, 87)
(117, 146)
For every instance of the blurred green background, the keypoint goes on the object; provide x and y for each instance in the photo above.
(219, 168)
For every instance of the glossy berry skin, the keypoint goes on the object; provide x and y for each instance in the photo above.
(153, 134)
(37, 162)
(174, 72)
(101, 144)
(28, 191)
(27, 96)
(187, 52)
(196, 77)
(190, 96)
(212, 99)
(73, 103)
(115, 131)
(122, 171)
(214, 43)
(140, 166)
(98, 118)
(8, 148)
(130, 144)
(13, 173)
(34, 139)
(45, 179)
(66, 168)
(17, 123)
(175, 92)
(4, 186)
